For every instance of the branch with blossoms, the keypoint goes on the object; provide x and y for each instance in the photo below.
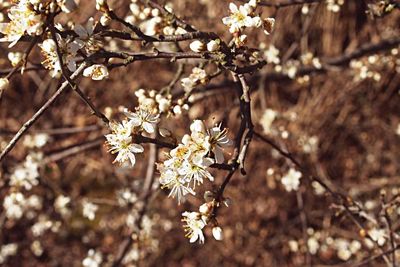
(187, 164)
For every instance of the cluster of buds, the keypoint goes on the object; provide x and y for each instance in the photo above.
(187, 165)
(364, 69)
(121, 140)
(244, 17)
(308, 59)
(199, 46)
(153, 101)
(334, 5)
(7, 250)
(150, 20)
(16, 205)
(198, 76)
(321, 242)
(26, 175)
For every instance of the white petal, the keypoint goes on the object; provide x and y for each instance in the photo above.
(193, 238)
(81, 31)
(132, 159)
(90, 26)
(219, 155)
(148, 127)
(233, 8)
(135, 148)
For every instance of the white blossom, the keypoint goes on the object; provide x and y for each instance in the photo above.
(36, 141)
(240, 18)
(14, 205)
(291, 180)
(267, 119)
(194, 225)
(93, 259)
(97, 72)
(268, 25)
(271, 55)
(176, 183)
(378, 235)
(219, 140)
(89, 210)
(68, 53)
(23, 20)
(61, 204)
(26, 175)
(120, 142)
(142, 118)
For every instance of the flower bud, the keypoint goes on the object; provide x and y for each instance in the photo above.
(212, 46)
(217, 233)
(164, 132)
(15, 58)
(196, 46)
(105, 20)
(209, 196)
(197, 126)
(4, 83)
(164, 105)
(177, 110)
(268, 25)
(102, 5)
(206, 208)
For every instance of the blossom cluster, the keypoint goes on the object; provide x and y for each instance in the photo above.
(26, 17)
(16, 204)
(187, 165)
(29, 16)
(7, 250)
(121, 140)
(26, 174)
(155, 102)
(150, 20)
(198, 76)
(244, 17)
(83, 41)
(344, 248)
